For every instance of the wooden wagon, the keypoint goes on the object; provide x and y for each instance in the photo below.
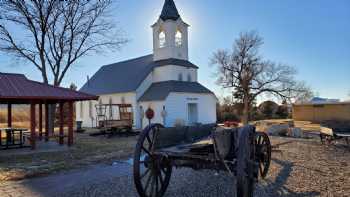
(107, 121)
(244, 153)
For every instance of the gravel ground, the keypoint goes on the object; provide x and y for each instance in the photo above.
(184, 183)
(299, 168)
(308, 168)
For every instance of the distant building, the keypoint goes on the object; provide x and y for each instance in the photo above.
(319, 100)
(318, 112)
(165, 81)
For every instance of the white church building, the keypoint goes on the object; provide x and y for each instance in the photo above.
(165, 81)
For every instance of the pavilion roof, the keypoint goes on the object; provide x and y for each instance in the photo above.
(16, 88)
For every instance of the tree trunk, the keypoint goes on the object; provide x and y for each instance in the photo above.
(245, 118)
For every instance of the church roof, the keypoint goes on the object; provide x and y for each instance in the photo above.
(169, 11)
(160, 90)
(127, 76)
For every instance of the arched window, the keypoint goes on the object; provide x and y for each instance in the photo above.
(161, 39)
(180, 77)
(189, 78)
(178, 38)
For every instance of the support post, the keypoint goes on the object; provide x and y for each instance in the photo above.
(46, 122)
(9, 115)
(32, 126)
(61, 132)
(40, 121)
(70, 123)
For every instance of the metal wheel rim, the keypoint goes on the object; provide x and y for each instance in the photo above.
(263, 153)
(155, 179)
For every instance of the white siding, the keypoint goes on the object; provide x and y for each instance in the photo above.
(157, 107)
(176, 106)
(171, 72)
(166, 73)
(170, 50)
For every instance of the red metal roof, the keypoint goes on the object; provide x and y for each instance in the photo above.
(18, 87)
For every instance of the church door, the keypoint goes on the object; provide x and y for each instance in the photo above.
(192, 113)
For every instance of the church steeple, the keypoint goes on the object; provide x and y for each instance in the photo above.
(170, 34)
(169, 11)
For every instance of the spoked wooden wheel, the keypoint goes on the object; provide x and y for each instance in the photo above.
(151, 172)
(263, 153)
(245, 168)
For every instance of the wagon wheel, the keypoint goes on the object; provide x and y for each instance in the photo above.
(347, 141)
(322, 138)
(151, 172)
(246, 168)
(263, 153)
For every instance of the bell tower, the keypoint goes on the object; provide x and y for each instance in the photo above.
(170, 34)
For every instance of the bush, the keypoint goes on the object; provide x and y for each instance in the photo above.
(282, 112)
(227, 116)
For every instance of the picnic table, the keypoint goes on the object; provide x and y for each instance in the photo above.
(15, 137)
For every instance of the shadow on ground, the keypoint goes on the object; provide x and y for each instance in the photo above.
(277, 187)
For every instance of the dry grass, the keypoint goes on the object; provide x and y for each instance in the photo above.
(20, 116)
(87, 150)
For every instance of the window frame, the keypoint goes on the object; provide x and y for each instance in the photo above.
(178, 40)
(180, 77)
(161, 40)
(81, 110)
(189, 77)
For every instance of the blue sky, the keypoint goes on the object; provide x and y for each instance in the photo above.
(313, 36)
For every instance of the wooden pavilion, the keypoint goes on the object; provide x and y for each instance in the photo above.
(17, 89)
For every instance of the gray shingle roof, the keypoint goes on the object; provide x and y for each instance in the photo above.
(169, 11)
(126, 76)
(161, 90)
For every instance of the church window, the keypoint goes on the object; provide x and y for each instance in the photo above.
(81, 109)
(161, 39)
(189, 78)
(90, 109)
(178, 38)
(180, 77)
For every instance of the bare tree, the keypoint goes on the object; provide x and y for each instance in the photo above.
(249, 75)
(54, 34)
